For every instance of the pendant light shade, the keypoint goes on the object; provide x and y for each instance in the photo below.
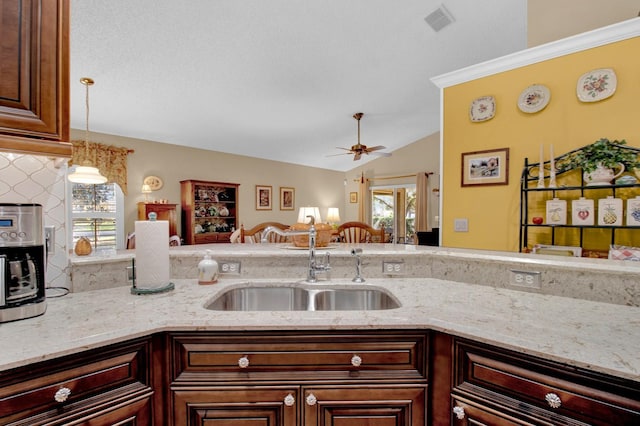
(87, 173)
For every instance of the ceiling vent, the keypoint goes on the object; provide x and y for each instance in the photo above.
(439, 18)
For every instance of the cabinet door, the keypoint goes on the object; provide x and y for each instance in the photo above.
(34, 64)
(372, 405)
(235, 406)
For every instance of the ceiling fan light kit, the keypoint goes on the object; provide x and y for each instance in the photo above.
(359, 149)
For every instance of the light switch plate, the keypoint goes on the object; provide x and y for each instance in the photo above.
(461, 225)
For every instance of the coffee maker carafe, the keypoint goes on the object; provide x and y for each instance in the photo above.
(22, 262)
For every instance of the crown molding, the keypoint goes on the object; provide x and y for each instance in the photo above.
(588, 40)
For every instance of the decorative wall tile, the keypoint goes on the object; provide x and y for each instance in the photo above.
(35, 179)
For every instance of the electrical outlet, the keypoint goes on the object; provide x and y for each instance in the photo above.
(229, 268)
(50, 239)
(393, 268)
(524, 279)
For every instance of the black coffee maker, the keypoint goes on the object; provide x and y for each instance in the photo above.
(22, 262)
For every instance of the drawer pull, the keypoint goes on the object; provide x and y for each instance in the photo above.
(243, 362)
(356, 361)
(289, 400)
(459, 412)
(62, 394)
(311, 399)
(553, 400)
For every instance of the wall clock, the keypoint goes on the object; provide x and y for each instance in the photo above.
(154, 182)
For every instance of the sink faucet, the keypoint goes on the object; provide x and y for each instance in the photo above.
(314, 266)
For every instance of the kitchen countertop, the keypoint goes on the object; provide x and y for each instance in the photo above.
(598, 336)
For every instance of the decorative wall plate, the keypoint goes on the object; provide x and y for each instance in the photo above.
(597, 85)
(482, 109)
(534, 98)
(154, 182)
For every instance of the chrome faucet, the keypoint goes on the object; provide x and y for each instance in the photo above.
(314, 266)
(358, 278)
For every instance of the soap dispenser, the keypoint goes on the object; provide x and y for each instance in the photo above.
(207, 269)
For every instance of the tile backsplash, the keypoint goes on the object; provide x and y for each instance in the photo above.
(41, 180)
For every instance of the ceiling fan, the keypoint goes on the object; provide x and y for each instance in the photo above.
(359, 149)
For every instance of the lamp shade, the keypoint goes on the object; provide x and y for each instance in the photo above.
(146, 189)
(333, 215)
(309, 211)
(87, 175)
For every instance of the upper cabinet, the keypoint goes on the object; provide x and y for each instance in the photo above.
(34, 77)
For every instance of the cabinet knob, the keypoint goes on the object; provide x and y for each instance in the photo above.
(311, 399)
(553, 400)
(459, 412)
(243, 362)
(289, 400)
(356, 361)
(62, 394)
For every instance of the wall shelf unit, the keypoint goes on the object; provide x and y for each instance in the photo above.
(570, 185)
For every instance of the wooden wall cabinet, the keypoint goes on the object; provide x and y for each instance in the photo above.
(105, 386)
(34, 87)
(325, 378)
(209, 211)
(164, 211)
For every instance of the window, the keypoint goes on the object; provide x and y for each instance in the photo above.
(97, 213)
(394, 209)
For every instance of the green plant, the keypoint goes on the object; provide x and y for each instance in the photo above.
(609, 154)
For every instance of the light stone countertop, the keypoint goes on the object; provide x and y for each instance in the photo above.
(285, 251)
(598, 336)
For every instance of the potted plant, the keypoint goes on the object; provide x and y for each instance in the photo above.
(604, 160)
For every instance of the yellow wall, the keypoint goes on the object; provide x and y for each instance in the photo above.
(567, 123)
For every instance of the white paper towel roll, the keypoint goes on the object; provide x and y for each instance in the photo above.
(152, 254)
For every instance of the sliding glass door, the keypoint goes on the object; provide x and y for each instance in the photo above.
(393, 208)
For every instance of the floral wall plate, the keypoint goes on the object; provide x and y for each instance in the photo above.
(482, 109)
(154, 182)
(534, 98)
(597, 85)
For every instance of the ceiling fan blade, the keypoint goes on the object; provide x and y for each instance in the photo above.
(346, 149)
(375, 148)
(381, 154)
(357, 156)
(335, 155)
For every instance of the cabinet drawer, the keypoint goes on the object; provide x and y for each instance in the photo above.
(289, 356)
(490, 374)
(28, 391)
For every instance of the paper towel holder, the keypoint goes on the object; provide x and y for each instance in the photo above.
(136, 290)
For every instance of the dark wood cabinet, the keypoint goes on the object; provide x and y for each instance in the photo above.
(346, 378)
(110, 385)
(521, 389)
(34, 87)
(164, 211)
(209, 211)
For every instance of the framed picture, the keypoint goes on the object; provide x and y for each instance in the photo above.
(489, 167)
(287, 198)
(353, 197)
(263, 197)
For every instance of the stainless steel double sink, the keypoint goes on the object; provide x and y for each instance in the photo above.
(296, 297)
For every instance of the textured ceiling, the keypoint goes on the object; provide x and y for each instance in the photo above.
(277, 79)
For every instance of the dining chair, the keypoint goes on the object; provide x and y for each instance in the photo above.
(359, 232)
(254, 235)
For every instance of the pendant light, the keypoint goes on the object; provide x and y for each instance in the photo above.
(86, 173)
